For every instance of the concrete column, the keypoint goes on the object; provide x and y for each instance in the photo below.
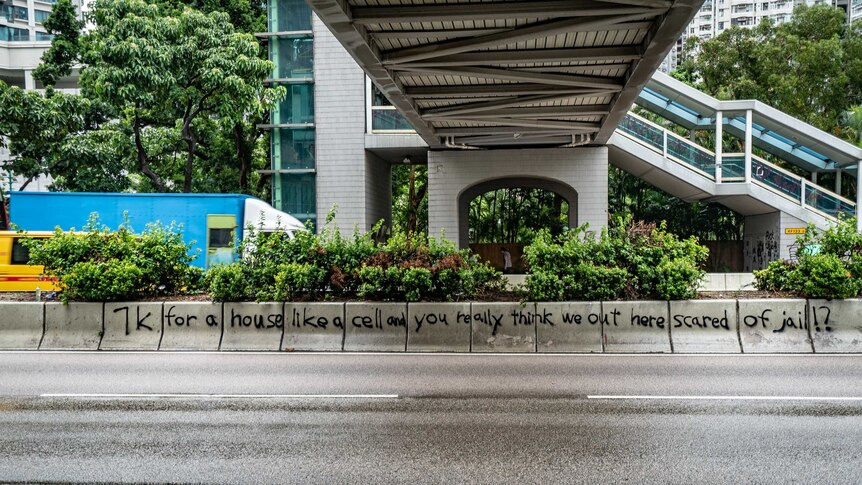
(29, 82)
(838, 181)
(748, 116)
(719, 133)
(814, 177)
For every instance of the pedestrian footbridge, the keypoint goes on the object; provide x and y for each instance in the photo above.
(743, 181)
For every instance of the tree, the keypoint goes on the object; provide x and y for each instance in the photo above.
(805, 67)
(852, 121)
(64, 52)
(174, 73)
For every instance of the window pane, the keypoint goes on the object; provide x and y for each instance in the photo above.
(297, 106)
(289, 15)
(221, 238)
(388, 119)
(294, 58)
(377, 98)
(44, 36)
(299, 195)
(20, 253)
(294, 148)
(42, 16)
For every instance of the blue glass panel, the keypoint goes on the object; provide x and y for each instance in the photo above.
(289, 16)
(784, 183)
(293, 57)
(293, 148)
(388, 119)
(643, 131)
(691, 154)
(297, 106)
(827, 202)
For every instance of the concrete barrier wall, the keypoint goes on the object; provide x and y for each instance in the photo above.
(21, 325)
(704, 326)
(72, 326)
(132, 326)
(774, 326)
(503, 327)
(313, 326)
(253, 326)
(380, 327)
(835, 325)
(569, 327)
(438, 327)
(695, 326)
(191, 326)
(636, 326)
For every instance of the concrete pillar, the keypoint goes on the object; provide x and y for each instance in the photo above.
(29, 82)
(814, 177)
(748, 116)
(719, 133)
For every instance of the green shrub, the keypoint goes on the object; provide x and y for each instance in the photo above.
(416, 282)
(833, 271)
(227, 282)
(826, 276)
(635, 260)
(103, 265)
(779, 275)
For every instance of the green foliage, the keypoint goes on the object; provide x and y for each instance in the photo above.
(513, 215)
(809, 67)
(64, 52)
(636, 261)
(104, 265)
(833, 271)
(276, 266)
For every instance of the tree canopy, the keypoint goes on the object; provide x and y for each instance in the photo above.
(810, 67)
(170, 99)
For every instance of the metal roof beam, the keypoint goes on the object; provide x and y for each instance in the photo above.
(494, 104)
(532, 31)
(537, 112)
(394, 14)
(610, 84)
(483, 90)
(615, 53)
(548, 124)
(495, 130)
(460, 33)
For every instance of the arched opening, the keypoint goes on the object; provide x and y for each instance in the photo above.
(507, 212)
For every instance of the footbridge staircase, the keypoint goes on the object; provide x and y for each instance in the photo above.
(750, 181)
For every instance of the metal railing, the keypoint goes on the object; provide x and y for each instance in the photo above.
(702, 161)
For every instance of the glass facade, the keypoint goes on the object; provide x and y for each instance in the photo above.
(291, 49)
(293, 57)
(384, 116)
(41, 16)
(297, 107)
(12, 34)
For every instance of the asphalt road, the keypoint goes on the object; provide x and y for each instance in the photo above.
(363, 418)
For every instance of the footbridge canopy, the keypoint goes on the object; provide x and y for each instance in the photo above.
(509, 73)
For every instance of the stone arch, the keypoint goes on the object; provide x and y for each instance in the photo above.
(562, 189)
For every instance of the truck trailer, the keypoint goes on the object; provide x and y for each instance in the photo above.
(211, 223)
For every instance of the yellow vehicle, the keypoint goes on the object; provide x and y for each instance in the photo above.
(15, 273)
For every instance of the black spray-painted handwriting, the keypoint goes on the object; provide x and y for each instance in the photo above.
(430, 319)
(762, 320)
(823, 318)
(377, 321)
(139, 321)
(258, 321)
(701, 321)
(311, 320)
(647, 320)
(187, 319)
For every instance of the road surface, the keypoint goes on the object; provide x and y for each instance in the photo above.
(401, 418)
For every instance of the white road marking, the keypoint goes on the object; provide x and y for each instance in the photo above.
(223, 396)
(736, 398)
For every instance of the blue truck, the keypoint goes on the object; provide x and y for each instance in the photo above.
(212, 223)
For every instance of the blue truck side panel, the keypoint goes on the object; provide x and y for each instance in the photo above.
(44, 211)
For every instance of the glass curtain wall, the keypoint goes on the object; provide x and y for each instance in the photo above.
(291, 49)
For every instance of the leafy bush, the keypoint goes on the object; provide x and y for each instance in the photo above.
(829, 265)
(103, 265)
(278, 267)
(629, 260)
